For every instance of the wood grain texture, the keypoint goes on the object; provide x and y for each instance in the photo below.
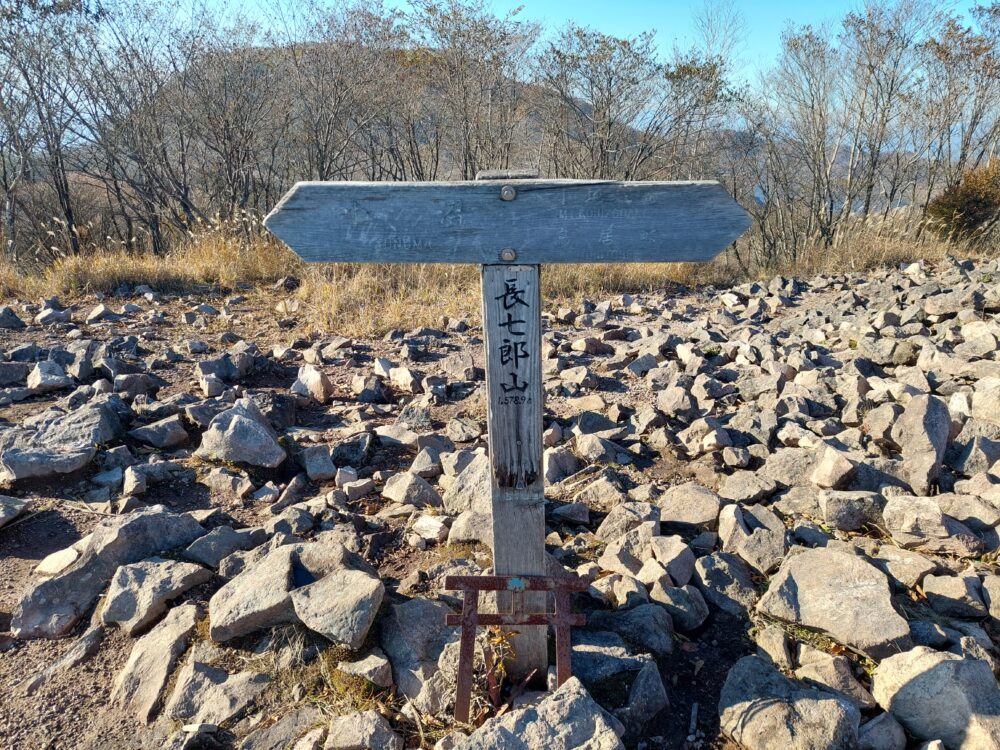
(549, 221)
(513, 340)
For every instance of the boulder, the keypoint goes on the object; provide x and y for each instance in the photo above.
(340, 606)
(139, 685)
(52, 607)
(242, 434)
(938, 695)
(139, 592)
(11, 508)
(204, 694)
(568, 719)
(726, 582)
(918, 523)
(922, 432)
(60, 443)
(366, 730)
(838, 594)
(761, 709)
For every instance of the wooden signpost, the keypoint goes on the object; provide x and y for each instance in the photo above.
(510, 225)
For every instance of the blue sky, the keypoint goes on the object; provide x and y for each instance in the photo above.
(673, 20)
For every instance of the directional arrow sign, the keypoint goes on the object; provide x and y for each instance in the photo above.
(497, 221)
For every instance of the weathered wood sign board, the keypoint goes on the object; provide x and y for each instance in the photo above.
(543, 221)
(510, 226)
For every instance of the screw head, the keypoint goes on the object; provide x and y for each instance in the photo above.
(508, 193)
(508, 254)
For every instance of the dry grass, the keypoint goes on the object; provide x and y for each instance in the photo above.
(364, 300)
(216, 259)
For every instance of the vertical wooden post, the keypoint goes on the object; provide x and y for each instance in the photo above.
(513, 338)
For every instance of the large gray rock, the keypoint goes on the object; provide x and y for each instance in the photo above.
(205, 694)
(471, 488)
(360, 731)
(286, 731)
(689, 507)
(52, 607)
(11, 508)
(762, 709)
(166, 433)
(726, 582)
(839, 594)
(568, 719)
(648, 626)
(9, 319)
(922, 432)
(409, 489)
(414, 638)
(918, 523)
(59, 443)
(141, 681)
(340, 606)
(139, 592)
(261, 595)
(937, 695)
(242, 434)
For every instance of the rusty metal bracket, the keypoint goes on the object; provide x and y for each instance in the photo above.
(561, 620)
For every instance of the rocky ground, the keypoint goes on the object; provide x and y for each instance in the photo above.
(223, 530)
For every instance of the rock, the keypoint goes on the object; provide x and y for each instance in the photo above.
(242, 435)
(648, 626)
(375, 668)
(318, 464)
(409, 489)
(675, 556)
(430, 528)
(838, 594)
(371, 390)
(955, 596)
(834, 673)
(754, 533)
(747, 487)
(204, 694)
(850, 511)
(937, 695)
(256, 598)
(9, 319)
(882, 733)
(52, 607)
(167, 433)
(646, 698)
(285, 731)
(11, 508)
(558, 464)
(624, 518)
(341, 606)
(689, 507)
(685, 605)
(726, 582)
(918, 523)
(48, 376)
(140, 683)
(922, 432)
(367, 730)
(139, 592)
(312, 383)
(834, 470)
(566, 719)
(471, 488)
(414, 637)
(59, 443)
(907, 568)
(762, 709)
